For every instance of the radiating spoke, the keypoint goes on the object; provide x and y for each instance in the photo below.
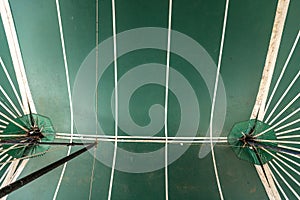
(278, 123)
(288, 137)
(4, 122)
(285, 108)
(283, 162)
(10, 101)
(283, 95)
(287, 125)
(287, 131)
(4, 174)
(278, 185)
(12, 121)
(7, 110)
(282, 72)
(11, 83)
(284, 180)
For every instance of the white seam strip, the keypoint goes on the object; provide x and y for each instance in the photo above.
(92, 175)
(96, 96)
(69, 92)
(214, 101)
(282, 73)
(167, 99)
(142, 137)
(270, 62)
(116, 98)
(146, 141)
(176, 141)
(264, 87)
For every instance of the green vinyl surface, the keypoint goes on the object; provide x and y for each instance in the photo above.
(247, 35)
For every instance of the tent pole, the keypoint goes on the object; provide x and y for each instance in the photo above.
(31, 177)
